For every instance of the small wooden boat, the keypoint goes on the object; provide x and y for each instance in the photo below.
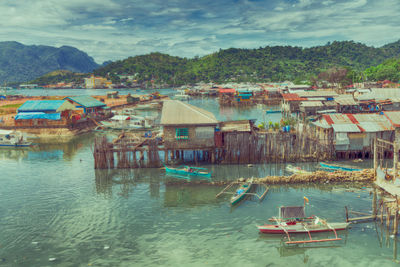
(188, 170)
(338, 167)
(10, 138)
(292, 220)
(296, 170)
(241, 192)
(272, 111)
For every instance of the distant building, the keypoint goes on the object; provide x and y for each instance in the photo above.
(28, 86)
(86, 104)
(97, 82)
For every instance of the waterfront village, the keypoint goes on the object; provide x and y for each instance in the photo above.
(317, 124)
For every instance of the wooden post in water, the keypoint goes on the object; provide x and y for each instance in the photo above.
(375, 157)
(374, 210)
(166, 156)
(396, 152)
(396, 218)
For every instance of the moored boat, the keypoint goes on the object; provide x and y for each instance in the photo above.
(338, 167)
(241, 192)
(188, 170)
(10, 138)
(296, 170)
(311, 226)
(292, 220)
(272, 111)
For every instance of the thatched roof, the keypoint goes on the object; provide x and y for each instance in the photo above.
(175, 112)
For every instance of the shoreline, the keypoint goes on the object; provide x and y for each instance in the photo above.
(365, 176)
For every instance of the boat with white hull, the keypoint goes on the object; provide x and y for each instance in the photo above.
(9, 138)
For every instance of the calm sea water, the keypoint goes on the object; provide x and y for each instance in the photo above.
(56, 210)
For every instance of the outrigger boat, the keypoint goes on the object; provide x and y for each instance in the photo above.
(338, 167)
(292, 220)
(241, 192)
(188, 170)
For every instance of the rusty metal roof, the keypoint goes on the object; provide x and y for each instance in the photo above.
(394, 117)
(346, 128)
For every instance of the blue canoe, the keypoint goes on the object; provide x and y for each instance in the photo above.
(187, 170)
(338, 167)
(272, 111)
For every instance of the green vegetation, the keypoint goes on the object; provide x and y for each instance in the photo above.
(21, 63)
(338, 62)
(276, 63)
(58, 76)
(388, 70)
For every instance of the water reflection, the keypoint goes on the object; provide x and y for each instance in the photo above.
(16, 154)
(190, 195)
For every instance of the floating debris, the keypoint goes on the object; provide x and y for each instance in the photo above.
(106, 247)
(52, 259)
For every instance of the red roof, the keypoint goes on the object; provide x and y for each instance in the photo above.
(328, 119)
(293, 97)
(227, 90)
(352, 118)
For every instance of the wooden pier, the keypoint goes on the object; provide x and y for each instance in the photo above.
(232, 148)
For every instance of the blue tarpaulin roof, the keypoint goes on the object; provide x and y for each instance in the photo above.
(37, 115)
(86, 101)
(40, 105)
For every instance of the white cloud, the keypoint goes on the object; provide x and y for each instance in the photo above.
(116, 29)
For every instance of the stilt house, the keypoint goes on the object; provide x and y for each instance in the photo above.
(187, 127)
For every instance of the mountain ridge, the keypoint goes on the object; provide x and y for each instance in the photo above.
(19, 62)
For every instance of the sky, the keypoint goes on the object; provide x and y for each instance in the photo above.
(117, 29)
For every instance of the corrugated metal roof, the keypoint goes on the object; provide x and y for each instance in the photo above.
(339, 118)
(311, 104)
(240, 126)
(86, 101)
(175, 112)
(293, 97)
(394, 117)
(370, 127)
(345, 100)
(319, 93)
(346, 128)
(381, 94)
(40, 105)
(321, 124)
(227, 90)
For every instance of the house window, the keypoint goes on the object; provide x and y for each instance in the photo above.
(182, 133)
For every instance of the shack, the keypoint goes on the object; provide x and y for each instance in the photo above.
(44, 113)
(133, 98)
(309, 108)
(112, 94)
(346, 104)
(353, 134)
(244, 96)
(291, 103)
(187, 127)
